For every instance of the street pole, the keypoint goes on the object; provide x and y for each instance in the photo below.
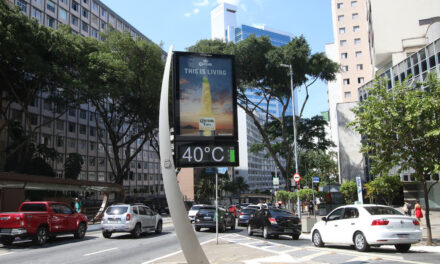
(216, 205)
(294, 132)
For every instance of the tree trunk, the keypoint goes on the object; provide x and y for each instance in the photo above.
(428, 221)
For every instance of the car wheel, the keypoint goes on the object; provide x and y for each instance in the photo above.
(249, 230)
(81, 231)
(7, 240)
(266, 233)
(106, 234)
(41, 236)
(158, 229)
(198, 228)
(137, 231)
(402, 247)
(295, 236)
(317, 240)
(360, 243)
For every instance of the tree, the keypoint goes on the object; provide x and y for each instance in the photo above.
(241, 186)
(385, 187)
(72, 166)
(122, 82)
(258, 70)
(35, 61)
(400, 127)
(349, 191)
(306, 194)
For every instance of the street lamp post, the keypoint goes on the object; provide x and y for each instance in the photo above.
(294, 131)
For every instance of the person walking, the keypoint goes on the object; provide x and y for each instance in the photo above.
(77, 206)
(407, 208)
(418, 212)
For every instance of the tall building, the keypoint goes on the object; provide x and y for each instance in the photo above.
(76, 130)
(255, 168)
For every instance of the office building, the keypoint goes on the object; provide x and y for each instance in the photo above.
(76, 130)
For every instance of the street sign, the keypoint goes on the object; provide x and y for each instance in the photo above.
(315, 179)
(296, 177)
(276, 182)
(359, 190)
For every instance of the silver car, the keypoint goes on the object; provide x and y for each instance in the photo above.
(131, 218)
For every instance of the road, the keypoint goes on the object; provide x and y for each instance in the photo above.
(121, 248)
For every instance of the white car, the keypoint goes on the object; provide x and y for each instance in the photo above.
(132, 218)
(193, 211)
(367, 225)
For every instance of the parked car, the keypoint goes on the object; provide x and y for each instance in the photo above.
(206, 218)
(40, 221)
(193, 211)
(274, 222)
(131, 218)
(367, 225)
(245, 214)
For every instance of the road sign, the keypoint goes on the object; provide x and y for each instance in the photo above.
(315, 179)
(276, 182)
(296, 177)
(359, 189)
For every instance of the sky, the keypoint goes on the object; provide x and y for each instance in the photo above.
(183, 23)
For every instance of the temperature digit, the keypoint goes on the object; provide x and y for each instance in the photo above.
(187, 154)
(200, 151)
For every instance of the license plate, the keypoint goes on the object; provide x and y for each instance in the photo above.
(207, 218)
(288, 230)
(402, 235)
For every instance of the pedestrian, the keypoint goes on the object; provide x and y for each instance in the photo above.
(77, 205)
(418, 212)
(407, 208)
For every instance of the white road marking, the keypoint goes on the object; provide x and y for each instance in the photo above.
(7, 253)
(312, 256)
(97, 252)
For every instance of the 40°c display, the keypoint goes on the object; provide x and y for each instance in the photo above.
(205, 155)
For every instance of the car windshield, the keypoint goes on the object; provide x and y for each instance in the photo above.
(33, 208)
(116, 210)
(207, 211)
(195, 207)
(382, 210)
(248, 211)
(275, 213)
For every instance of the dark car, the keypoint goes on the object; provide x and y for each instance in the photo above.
(205, 218)
(274, 222)
(245, 214)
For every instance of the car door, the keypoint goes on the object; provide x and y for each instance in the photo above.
(143, 216)
(347, 225)
(57, 219)
(151, 217)
(328, 230)
(70, 217)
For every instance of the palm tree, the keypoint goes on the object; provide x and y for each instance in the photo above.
(240, 186)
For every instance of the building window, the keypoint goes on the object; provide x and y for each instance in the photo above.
(92, 161)
(343, 42)
(75, 6)
(94, 6)
(74, 20)
(344, 68)
(92, 117)
(50, 22)
(356, 28)
(357, 41)
(47, 122)
(85, 12)
(85, 27)
(34, 119)
(22, 5)
(358, 54)
(355, 15)
(82, 144)
(60, 124)
(101, 148)
(103, 12)
(36, 14)
(341, 18)
(361, 80)
(63, 1)
(82, 114)
(347, 95)
(63, 14)
(37, 2)
(354, 3)
(347, 81)
(103, 25)
(342, 30)
(72, 112)
(50, 6)
(86, 1)
(344, 55)
(72, 127)
(92, 146)
(95, 20)
(82, 129)
(359, 67)
(92, 131)
(340, 5)
(71, 142)
(60, 141)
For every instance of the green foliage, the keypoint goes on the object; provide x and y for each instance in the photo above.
(306, 194)
(386, 187)
(72, 166)
(258, 69)
(283, 196)
(349, 191)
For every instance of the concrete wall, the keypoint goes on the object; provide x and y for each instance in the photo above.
(185, 178)
(351, 161)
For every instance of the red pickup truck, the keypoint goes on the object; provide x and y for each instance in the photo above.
(40, 221)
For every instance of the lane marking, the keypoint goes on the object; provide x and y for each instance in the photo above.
(97, 252)
(175, 253)
(7, 253)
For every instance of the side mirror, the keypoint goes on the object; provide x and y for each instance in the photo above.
(324, 219)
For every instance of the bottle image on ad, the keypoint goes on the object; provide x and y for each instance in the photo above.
(207, 120)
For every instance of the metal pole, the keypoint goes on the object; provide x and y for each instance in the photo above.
(216, 206)
(191, 248)
(313, 202)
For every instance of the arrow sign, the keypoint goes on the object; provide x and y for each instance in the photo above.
(296, 177)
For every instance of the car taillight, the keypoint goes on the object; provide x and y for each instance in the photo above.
(415, 222)
(103, 215)
(197, 215)
(380, 222)
(273, 221)
(127, 218)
